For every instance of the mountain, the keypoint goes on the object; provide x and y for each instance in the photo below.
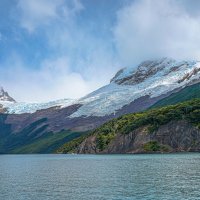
(187, 93)
(23, 107)
(134, 89)
(174, 128)
(131, 90)
(10, 106)
(150, 81)
(5, 97)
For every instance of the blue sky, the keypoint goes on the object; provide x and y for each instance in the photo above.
(52, 49)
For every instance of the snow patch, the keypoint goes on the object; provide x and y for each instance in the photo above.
(169, 75)
(113, 96)
(21, 107)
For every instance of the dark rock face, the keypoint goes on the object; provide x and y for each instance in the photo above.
(145, 70)
(189, 75)
(176, 136)
(2, 109)
(181, 136)
(56, 120)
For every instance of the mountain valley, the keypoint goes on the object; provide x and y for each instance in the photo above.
(28, 127)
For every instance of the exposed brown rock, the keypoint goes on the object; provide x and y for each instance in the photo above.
(176, 136)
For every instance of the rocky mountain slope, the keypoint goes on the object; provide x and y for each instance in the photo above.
(133, 89)
(173, 128)
(5, 98)
(151, 80)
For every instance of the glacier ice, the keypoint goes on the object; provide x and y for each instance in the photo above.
(168, 75)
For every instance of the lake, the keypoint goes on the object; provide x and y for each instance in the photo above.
(99, 177)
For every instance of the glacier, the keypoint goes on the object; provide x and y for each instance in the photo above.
(157, 77)
(22, 107)
(112, 97)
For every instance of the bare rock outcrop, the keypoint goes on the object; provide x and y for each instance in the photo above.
(176, 136)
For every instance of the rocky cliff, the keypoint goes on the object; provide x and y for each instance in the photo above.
(173, 128)
(176, 136)
(133, 89)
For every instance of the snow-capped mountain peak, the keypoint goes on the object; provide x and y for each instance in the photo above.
(150, 78)
(10, 106)
(4, 96)
(149, 68)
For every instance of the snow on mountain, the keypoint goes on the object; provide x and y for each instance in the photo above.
(21, 107)
(4, 96)
(11, 106)
(152, 78)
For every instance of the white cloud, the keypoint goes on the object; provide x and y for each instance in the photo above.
(153, 28)
(53, 80)
(81, 64)
(36, 13)
(84, 61)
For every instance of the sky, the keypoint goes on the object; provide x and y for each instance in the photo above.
(54, 49)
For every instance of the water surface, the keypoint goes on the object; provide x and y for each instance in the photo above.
(99, 177)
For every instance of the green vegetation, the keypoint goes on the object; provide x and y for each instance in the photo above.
(152, 119)
(33, 139)
(154, 146)
(103, 140)
(36, 139)
(12, 141)
(161, 113)
(5, 131)
(71, 146)
(47, 143)
(185, 94)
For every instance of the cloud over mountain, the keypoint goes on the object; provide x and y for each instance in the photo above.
(153, 28)
(66, 49)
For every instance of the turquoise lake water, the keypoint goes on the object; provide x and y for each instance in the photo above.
(99, 177)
